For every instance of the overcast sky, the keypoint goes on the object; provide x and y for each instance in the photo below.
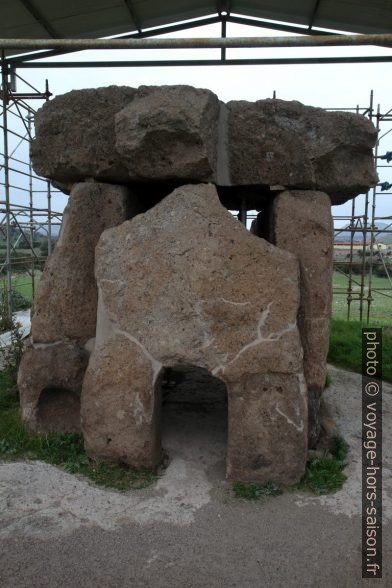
(328, 86)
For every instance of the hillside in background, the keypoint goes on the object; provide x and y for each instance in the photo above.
(344, 235)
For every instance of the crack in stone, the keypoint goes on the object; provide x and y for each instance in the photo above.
(299, 428)
(46, 345)
(235, 303)
(155, 364)
(260, 339)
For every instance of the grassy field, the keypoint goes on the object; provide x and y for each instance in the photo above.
(22, 283)
(381, 306)
(345, 346)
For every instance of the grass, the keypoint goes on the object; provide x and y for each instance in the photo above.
(255, 491)
(345, 346)
(65, 451)
(380, 308)
(323, 475)
(22, 283)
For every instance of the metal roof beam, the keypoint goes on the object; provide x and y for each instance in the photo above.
(224, 6)
(143, 35)
(264, 24)
(134, 17)
(314, 13)
(203, 62)
(35, 13)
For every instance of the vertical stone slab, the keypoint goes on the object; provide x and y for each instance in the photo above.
(50, 379)
(267, 422)
(65, 308)
(121, 410)
(66, 303)
(301, 222)
(187, 284)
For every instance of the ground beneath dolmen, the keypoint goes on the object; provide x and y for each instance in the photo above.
(188, 530)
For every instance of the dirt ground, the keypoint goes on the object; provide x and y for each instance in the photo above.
(188, 530)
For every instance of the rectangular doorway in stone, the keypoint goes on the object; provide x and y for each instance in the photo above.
(194, 419)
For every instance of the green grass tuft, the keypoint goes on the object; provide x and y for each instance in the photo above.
(345, 346)
(255, 491)
(339, 449)
(323, 476)
(65, 451)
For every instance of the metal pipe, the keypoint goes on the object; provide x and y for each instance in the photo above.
(204, 62)
(199, 42)
(144, 34)
(4, 84)
(373, 225)
(223, 35)
(31, 213)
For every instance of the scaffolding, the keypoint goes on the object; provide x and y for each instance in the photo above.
(363, 276)
(367, 267)
(25, 199)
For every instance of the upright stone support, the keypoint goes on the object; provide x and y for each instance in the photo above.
(301, 222)
(65, 309)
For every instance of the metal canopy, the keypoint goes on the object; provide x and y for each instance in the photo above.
(100, 18)
(91, 19)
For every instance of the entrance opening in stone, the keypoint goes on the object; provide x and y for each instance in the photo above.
(58, 411)
(194, 418)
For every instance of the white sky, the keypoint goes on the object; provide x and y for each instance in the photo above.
(328, 86)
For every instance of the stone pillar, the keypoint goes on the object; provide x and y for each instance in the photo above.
(121, 409)
(267, 428)
(65, 308)
(301, 222)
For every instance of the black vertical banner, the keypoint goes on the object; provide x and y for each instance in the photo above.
(372, 453)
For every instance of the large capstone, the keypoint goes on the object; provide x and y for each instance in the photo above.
(74, 136)
(274, 142)
(182, 134)
(169, 132)
(185, 283)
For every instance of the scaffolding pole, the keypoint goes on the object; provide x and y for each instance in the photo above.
(4, 86)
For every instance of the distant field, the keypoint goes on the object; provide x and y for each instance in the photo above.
(381, 306)
(345, 346)
(22, 283)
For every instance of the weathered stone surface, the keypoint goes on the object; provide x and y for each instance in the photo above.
(125, 419)
(301, 222)
(185, 283)
(50, 381)
(65, 306)
(278, 142)
(180, 133)
(169, 132)
(75, 136)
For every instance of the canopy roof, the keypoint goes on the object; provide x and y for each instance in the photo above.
(101, 18)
